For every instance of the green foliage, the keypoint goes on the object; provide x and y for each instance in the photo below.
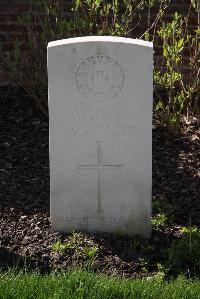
(162, 214)
(91, 252)
(182, 94)
(161, 273)
(100, 17)
(187, 230)
(159, 221)
(62, 247)
(78, 246)
(144, 264)
(142, 246)
(195, 4)
(136, 245)
(183, 256)
(161, 206)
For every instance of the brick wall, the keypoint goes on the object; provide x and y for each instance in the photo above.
(10, 10)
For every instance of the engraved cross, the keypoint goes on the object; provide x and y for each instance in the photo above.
(99, 166)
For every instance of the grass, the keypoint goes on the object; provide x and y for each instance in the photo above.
(79, 284)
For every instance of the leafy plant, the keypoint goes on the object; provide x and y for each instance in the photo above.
(144, 264)
(182, 94)
(136, 245)
(183, 256)
(161, 206)
(159, 221)
(115, 17)
(161, 273)
(61, 247)
(163, 214)
(78, 246)
(91, 252)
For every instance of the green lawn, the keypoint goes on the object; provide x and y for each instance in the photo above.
(81, 284)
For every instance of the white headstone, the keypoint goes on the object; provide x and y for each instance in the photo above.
(100, 110)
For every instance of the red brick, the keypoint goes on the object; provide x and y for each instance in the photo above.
(12, 27)
(12, 36)
(7, 46)
(4, 19)
(13, 8)
(3, 77)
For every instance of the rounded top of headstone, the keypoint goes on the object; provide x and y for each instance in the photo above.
(88, 39)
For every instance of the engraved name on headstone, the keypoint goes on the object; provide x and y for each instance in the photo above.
(100, 115)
